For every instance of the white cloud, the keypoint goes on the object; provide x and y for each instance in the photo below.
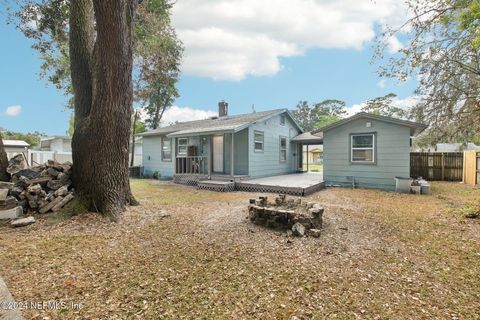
(382, 83)
(394, 45)
(13, 111)
(232, 39)
(183, 114)
(405, 103)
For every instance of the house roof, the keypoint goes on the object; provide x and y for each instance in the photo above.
(415, 127)
(309, 138)
(15, 143)
(218, 124)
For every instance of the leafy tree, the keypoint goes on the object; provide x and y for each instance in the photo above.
(32, 138)
(383, 106)
(160, 51)
(442, 52)
(157, 51)
(320, 114)
(71, 125)
(328, 112)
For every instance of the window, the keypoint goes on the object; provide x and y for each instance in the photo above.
(363, 146)
(166, 149)
(283, 149)
(258, 139)
(282, 120)
(182, 146)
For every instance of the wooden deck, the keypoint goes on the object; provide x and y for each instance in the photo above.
(299, 184)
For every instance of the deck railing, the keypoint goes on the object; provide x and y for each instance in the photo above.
(191, 165)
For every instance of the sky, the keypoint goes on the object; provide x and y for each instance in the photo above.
(254, 54)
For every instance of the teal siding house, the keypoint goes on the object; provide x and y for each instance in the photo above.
(235, 147)
(367, 151)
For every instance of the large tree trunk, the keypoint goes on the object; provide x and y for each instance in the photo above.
(4, 176)
(102, 82)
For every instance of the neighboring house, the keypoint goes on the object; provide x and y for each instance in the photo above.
(455, 147)
(367, 150)
(14, 147)
(138, 160)
(449, 147)
(250, 145)
(56, 144)
(312, 153)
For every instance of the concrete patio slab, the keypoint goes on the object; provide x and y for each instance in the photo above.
(8, 310)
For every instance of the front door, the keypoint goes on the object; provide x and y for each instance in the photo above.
(218, 154)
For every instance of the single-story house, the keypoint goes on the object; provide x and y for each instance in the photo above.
(367, 150)
(258, 144)
(56, 144)
(14, 147)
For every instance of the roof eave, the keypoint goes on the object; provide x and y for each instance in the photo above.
(179, 134)
(415, 127)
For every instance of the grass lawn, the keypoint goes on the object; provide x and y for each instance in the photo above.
(313, 167)
(381, 256)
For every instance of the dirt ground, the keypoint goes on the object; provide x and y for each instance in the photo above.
(193, 254)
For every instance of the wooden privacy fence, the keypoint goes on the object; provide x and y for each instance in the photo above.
(471, 164)
(440, 166)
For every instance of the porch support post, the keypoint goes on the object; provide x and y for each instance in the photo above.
(232, 158)
(307, 157)
(210, 155)
(173, 151)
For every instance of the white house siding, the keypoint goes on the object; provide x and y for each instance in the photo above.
(267, 163)
(392, 155)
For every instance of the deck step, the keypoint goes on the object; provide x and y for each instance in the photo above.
(216, 185)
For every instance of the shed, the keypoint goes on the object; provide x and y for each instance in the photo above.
(14, 147)
(367, 150)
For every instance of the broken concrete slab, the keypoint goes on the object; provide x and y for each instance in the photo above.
(6, 185)
(9, 203)
(14, 213)
(50, 205)
(22, 222)
(3, 195)
(298, 229)
(314, 233)
(62, 203)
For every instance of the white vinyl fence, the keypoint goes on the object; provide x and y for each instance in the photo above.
(36, 157)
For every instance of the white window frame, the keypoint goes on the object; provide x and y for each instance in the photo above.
(255, 132)
(182, 145)
(365, 148)
(169, 141)
(280, 147)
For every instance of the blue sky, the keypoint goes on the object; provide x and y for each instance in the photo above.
(231, 59)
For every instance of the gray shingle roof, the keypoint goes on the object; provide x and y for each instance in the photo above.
(227, 123)
(308, 138)
(415, 127)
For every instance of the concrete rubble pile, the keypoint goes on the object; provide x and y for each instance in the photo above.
(37, 189)
(301, 217)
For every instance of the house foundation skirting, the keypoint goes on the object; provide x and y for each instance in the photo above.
(189, 179)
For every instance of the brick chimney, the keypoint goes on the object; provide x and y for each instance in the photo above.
(222, 108)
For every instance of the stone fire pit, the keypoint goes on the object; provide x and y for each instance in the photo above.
(302, 218)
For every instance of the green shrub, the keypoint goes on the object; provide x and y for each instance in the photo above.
(471, 211)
